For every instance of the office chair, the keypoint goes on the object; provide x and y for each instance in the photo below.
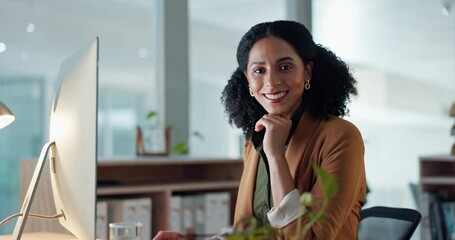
(388, 223)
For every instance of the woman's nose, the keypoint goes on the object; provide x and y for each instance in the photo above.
(272, 78)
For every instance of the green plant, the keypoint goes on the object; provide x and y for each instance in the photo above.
(151, 114)
(181, 147)
(254, 231)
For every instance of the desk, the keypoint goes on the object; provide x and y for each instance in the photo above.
(41, 236)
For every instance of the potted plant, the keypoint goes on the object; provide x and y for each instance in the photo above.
(147, 137)
(153, 139)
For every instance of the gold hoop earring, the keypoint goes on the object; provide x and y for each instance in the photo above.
(251, 93)
(307, 84)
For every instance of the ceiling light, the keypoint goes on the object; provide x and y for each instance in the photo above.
(2, 47)
(30, 27)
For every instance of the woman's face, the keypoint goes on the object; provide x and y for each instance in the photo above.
(276, 76)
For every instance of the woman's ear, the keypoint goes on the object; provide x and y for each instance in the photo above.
(246, 77)
(309, 70)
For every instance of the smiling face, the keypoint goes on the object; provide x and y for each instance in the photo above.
(276, 76)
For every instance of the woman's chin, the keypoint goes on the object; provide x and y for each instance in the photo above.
(277, 112)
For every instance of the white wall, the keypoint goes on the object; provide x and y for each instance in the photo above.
(400, 120)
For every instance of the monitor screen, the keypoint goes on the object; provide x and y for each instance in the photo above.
(73, 128)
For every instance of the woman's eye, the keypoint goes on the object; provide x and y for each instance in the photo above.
(285, 67)
(258, 70)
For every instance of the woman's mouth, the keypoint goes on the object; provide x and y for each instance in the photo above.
(275, 95)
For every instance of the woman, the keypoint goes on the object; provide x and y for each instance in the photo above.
(287, 95)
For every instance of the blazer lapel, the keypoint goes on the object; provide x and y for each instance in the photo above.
(244, 205)
(299, 141)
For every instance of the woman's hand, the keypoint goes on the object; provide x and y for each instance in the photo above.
(276, 133)
(277, 130)
(169, 235)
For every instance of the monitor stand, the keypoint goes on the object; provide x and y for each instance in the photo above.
(25, 209)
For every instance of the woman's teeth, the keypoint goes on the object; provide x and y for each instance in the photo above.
(275, 95)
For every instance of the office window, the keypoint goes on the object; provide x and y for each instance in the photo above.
(36, 36)
(20, 140)
(39, 35)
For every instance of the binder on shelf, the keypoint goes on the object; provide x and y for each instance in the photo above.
(451, 234)
(425, 226)
(144, 216)
(448, 211)
(437, 220)
(101, 220)
(188, 214)
(122, 210)
(200, 213)
(176, 214)
(217, 207)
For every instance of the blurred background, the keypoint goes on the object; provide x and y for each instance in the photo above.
(402, 53)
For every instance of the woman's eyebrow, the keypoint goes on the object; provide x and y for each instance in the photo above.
(257, 63)
(279, 60)
(285, 59)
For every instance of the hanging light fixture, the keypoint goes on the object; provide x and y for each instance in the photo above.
(6, 117)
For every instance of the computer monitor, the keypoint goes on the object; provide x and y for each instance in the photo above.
(72, 145)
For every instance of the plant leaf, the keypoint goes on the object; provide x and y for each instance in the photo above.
(311, 215)
(236, 236)
(151, 114)
(328, 182)
(306, 199)
(180, 147)
(198, 135)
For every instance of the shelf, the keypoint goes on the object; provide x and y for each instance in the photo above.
(160, 161)
(438, 180)
(180, 187)
(438, 158)
(437, 184)
(168, 171)
(161, 177)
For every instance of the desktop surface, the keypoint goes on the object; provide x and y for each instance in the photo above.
(41, 236)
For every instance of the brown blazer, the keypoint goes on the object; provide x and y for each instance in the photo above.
(337, 146)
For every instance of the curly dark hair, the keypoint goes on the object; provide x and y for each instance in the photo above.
(331, 86)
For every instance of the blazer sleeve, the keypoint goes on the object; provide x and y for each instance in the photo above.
(342, 155)
(339, 151)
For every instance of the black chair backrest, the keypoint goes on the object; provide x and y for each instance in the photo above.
(388, 223)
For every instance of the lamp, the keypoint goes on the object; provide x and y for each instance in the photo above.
(6, 117)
